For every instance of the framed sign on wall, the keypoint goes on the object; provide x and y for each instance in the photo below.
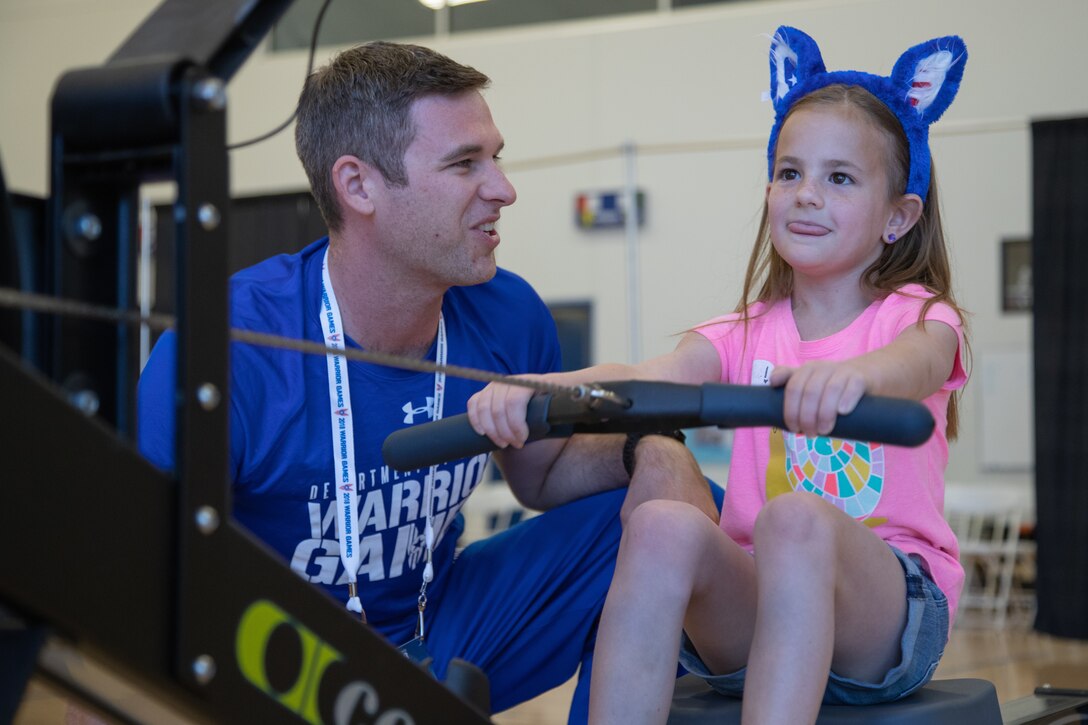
(1016, 279)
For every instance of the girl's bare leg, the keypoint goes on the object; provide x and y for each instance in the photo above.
(675, 568)
(831, 595)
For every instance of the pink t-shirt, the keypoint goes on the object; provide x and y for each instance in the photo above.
(895, 490)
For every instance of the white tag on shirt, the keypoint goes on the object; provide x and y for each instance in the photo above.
(761, 372)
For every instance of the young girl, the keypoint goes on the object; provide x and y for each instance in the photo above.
(845, 596)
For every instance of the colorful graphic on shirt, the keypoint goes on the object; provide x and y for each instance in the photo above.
(848, 474)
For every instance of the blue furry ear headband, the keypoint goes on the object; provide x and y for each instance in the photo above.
(922, 85)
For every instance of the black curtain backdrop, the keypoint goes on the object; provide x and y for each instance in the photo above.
(11, 330)
(1060, 267)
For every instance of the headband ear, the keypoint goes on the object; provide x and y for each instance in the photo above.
(923, 83)
(929, 76)
(794, 58)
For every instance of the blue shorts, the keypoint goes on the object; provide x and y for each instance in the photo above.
(523, 605)
(922, 644)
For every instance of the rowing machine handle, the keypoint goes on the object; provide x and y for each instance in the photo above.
(879, 419)
(896, 421)
(449, 439)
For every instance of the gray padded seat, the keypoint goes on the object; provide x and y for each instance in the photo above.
(941, 702)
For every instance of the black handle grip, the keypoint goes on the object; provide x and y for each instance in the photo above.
(452, 438)
(885, 420)
(664, 406)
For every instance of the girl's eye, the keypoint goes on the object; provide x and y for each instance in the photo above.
(787, 174)
(840, 178)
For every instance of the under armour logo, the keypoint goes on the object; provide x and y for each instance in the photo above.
(411, 413)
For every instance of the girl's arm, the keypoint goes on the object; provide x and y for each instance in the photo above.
(550, 472)
(914, 365)
(498, 411)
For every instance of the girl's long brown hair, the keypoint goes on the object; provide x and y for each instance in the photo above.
(919, 257)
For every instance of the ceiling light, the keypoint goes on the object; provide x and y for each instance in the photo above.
(439, 4)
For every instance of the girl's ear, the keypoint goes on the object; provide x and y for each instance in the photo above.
(353, 180)
(905, 214)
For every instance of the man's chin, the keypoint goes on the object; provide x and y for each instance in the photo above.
(482, 272)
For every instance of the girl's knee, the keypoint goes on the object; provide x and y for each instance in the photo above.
(665, 530)
(655, 514)
(799, 518)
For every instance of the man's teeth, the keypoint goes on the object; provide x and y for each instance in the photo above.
(487, 227)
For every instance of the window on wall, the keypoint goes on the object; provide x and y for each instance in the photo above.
(573, 324)
(690, 3)
(348, 22)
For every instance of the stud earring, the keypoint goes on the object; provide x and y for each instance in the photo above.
(891, 238)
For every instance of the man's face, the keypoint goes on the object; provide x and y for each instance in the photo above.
(440, 228)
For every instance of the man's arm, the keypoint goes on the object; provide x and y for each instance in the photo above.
(550, 472)
(546, 473)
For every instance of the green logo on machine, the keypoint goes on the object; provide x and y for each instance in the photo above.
(287, 661)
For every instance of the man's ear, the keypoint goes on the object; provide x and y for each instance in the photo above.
(905, 214)
(354, 181)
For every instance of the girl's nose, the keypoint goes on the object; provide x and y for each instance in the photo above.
(808, 194)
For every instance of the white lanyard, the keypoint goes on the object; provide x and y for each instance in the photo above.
(343, 446)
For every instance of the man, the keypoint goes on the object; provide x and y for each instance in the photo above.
(402, 157)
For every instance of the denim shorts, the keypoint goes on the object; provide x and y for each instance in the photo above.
(924, 638)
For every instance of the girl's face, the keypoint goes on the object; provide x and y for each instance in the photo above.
(828, 199)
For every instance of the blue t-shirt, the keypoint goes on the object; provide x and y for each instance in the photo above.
(281, 439)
